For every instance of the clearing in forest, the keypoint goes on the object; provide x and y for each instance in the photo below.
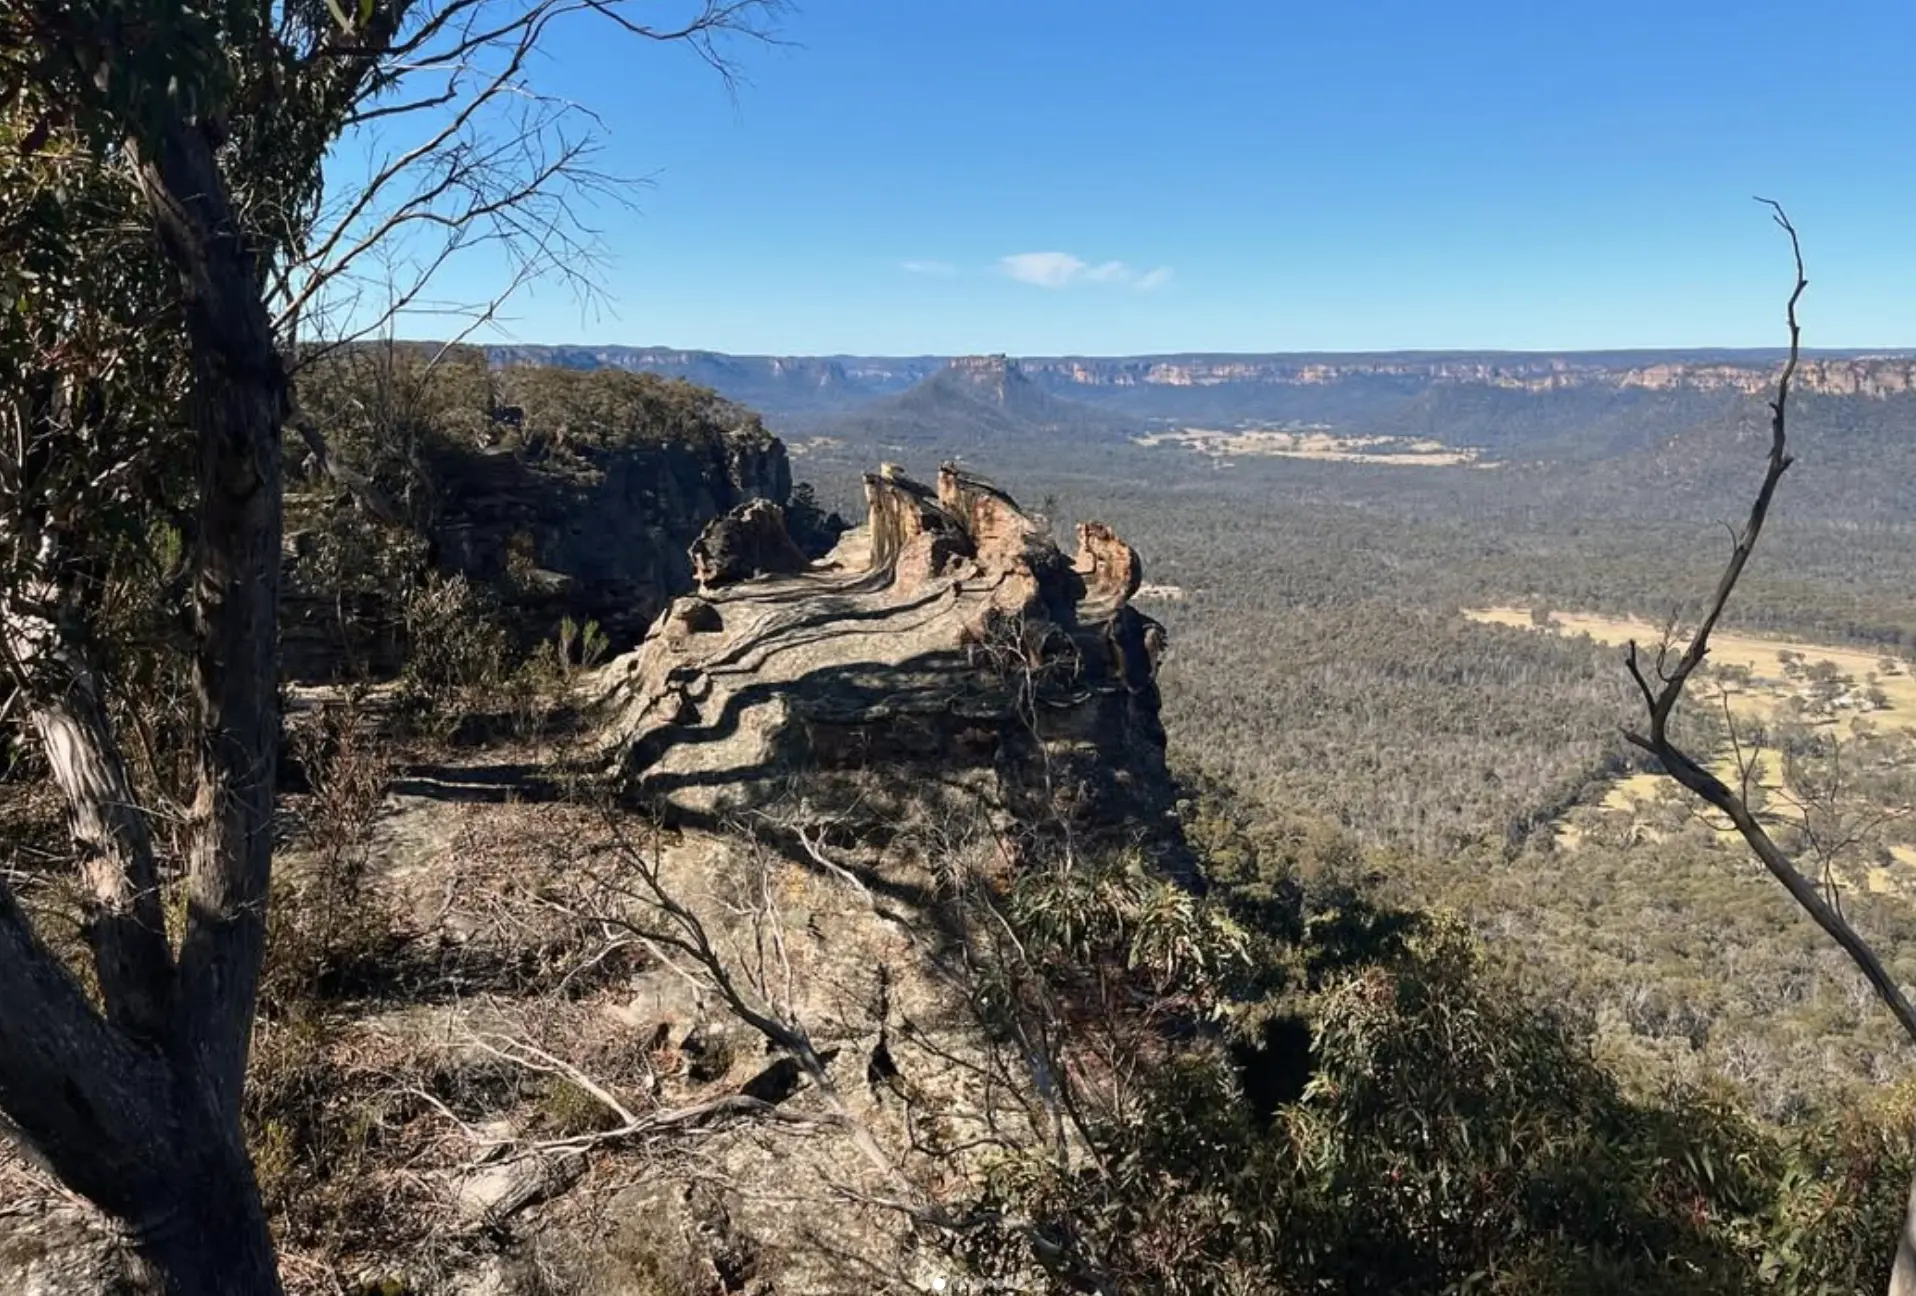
(1853, 680)
(1862, 701)
(1317, 443)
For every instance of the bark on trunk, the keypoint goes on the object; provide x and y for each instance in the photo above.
(241, 401)
(1902, 1275)
(84, 1099)
(126, 921)
(210, 1238)
(239, 408)
(128, 926)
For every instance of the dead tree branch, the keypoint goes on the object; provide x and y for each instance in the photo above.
(1661, 699)
(493, 162)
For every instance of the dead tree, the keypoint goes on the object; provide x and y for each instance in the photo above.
(1661, 685)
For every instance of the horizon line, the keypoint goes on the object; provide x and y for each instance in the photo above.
(1834, 352)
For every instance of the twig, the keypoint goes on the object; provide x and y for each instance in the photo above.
(534, 1058)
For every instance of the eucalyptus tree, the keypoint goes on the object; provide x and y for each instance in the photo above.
(167, 229)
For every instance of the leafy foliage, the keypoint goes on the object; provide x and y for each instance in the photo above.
(1453, 1135)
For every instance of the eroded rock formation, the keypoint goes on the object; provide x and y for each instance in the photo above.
(945, 659)
(749, 541)
(605, 537)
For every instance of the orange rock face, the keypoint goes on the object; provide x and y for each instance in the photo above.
(1108, 566)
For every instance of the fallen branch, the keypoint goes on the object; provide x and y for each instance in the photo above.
(357, 484)
(631, 1126)
(705, 1115)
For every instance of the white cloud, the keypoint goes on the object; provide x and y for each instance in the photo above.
(935, 269)
(1045, 269)
(1062, 270)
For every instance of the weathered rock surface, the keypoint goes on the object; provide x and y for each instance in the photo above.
(749, 541)
(593, 533)
(945, 659)
(604, 536)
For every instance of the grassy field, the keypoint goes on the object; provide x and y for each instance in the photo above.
(1764, 658)
(1308, 444)
(1847, 692)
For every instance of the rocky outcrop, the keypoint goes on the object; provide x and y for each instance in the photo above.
(749, 541)
(946, 659)
(992, 376)
(602, 534)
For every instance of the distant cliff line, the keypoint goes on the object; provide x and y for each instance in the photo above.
(1878, 373)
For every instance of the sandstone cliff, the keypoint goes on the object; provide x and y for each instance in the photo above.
(604, 535)
(592, 532)
(798, 384)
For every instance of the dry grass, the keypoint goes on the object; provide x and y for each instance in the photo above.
(1761, 656)
(1324, 446)
(1770, 693)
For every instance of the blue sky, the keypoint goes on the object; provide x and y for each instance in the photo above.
(1112, 176)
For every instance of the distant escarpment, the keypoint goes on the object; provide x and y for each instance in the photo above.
(1505, 406)
(797, 385)
(1745, 372)
(947, 669)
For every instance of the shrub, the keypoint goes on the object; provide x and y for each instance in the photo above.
(459, 654)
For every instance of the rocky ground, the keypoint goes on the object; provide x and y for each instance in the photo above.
(687, 1001)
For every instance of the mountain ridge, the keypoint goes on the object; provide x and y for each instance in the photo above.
(1507, 406)
(788, 385)
(976, 401)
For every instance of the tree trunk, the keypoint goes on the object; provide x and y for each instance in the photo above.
(240, 404)
(141, 1113)
(210, 1238)
(1902, 1276)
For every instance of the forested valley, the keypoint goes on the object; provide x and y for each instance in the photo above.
(1323, 666)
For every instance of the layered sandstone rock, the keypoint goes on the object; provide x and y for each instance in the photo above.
(749, 541)
(946, 659)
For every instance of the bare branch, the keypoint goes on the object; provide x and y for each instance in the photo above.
(534, 1058)
(519, 185)
(362, 487)
(1662, 703)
